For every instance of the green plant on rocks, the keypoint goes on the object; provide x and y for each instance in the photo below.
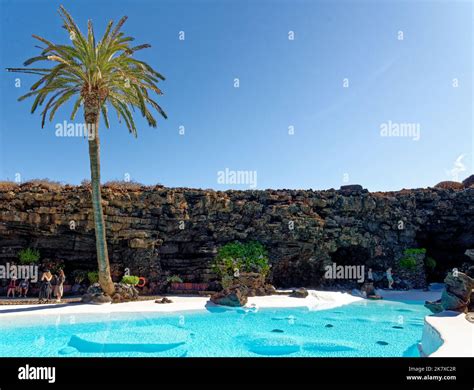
(131, 280)
(28, 256)
(174, 279)
(409, 260)
(93, 277)
(241, 257)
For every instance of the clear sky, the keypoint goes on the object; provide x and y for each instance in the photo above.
(405, 63)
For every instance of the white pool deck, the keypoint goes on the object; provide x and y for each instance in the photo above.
(316, 300)
(451, 329)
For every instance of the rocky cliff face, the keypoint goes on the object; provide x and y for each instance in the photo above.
(159, 231)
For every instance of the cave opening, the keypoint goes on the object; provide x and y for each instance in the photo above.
(351, 255)
(354, 257)
(448, 252)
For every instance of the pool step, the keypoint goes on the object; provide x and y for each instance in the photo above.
(162, 339)
(278, 344)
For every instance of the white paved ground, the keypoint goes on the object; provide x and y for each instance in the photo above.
(315, 300)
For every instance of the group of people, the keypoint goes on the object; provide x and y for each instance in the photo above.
(21, 288)
(49, 285)
(388, 275)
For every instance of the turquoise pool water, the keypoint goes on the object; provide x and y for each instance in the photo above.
(367, 328)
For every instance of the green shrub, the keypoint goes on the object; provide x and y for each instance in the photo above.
(130, 279)
(414, 251)
(93, 277)
(28, 256)
(248, 257)
(174, 279)
(430, 263)
(408, 263)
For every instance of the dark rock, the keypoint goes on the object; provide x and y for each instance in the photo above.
(468, 269)
(96, 299)
(368, 288)
(260, 292)
(457, 296)
(351, 188)
(94, 289)
(407, 279)
(249, 292)
(374, 297)
(142, 232)
(468, 182)
(251, 280)
(248, 284)
(270, 290)
(450, 301)
(405, 284)
(116, 298)
(470, 253)
(460, 285)
(450, 185)
(164, 300)
(214, 286)
(299, 293)
(123, 293)
(434, 306)
(229, 297)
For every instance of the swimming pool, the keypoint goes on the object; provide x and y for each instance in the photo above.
(359, 329)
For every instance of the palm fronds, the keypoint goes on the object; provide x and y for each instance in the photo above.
(105, 68)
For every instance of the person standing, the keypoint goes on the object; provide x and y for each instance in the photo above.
(59, 288)
(45, 289)
(370, 275)
(389, 277)
(11, 287)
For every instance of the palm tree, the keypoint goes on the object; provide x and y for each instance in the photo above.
(98, 75)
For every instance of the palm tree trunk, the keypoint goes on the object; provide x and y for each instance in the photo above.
(91, 115)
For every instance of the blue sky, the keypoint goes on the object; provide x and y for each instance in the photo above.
(424, 79)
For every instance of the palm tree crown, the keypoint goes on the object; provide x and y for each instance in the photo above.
(99, 74)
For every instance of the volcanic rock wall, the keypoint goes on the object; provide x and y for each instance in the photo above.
(165, 231)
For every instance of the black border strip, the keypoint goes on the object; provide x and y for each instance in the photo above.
(194, 371)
